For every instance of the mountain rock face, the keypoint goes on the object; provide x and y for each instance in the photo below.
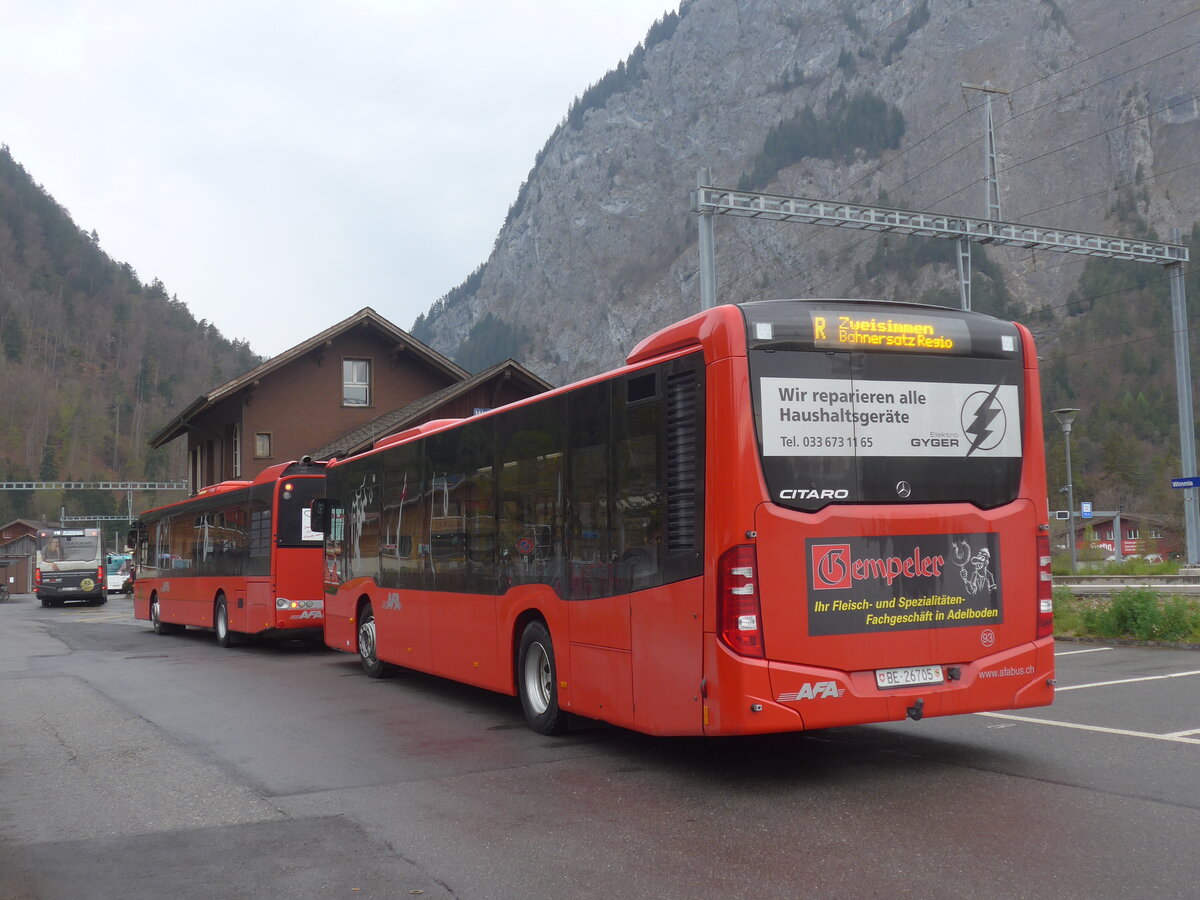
(600, 248)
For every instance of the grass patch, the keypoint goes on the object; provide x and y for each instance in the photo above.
(1134, 613)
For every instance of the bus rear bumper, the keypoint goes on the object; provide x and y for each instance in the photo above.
(749, 696)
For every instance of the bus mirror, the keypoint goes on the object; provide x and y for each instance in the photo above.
(319, 515)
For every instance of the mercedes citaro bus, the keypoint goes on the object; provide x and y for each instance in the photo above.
(776, 516)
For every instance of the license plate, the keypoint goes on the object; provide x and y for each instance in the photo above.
(913, 675)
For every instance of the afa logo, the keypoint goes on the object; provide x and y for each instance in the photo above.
(814, 690)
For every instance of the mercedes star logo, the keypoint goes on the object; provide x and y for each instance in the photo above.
(903, 489)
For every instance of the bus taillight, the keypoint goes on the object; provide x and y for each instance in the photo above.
(738, 608)
(1045, 589)
(37, 576)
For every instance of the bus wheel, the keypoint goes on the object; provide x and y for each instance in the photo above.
(45, 601)
(221, 623)
(156, 622)
(368, 651)
(537, 681)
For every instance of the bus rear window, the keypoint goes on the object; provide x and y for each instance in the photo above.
(877, 403)
(69, 546)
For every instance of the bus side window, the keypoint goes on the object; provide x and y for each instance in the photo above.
(589, 524)
(638, 540)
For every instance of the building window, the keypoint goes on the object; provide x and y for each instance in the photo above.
(1156, 533)
(1131, 534)
(356, 382)
(237, 450)
(262, 445)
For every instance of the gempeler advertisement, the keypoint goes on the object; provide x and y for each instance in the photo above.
(902, 583)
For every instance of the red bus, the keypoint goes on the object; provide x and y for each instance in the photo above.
(239, 557)
(777, 516)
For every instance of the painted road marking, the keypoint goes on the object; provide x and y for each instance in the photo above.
(1172, 738)
(1073, 652)
(1076, 687)
(1184, 733)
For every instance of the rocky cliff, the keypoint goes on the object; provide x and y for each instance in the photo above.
(599, 248)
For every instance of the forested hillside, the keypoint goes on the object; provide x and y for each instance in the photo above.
(1111, 354)
(92, 360)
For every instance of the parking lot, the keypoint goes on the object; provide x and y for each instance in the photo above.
(1143, 693)
(119, 746)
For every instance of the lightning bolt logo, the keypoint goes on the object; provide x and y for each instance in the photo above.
(984, 415)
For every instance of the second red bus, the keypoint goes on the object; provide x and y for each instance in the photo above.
(239, 557)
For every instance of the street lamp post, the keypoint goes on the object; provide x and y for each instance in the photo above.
(1065, 417)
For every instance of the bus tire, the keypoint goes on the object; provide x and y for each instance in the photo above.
(368, 649)
(221, 623)
(537, 680)
(156, 623)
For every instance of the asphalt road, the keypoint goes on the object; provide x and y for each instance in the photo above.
(137, 765)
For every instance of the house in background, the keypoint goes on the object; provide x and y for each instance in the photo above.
(358, 380)
(504, 383)
(18, 553)
(1155, 537)
(325, 386)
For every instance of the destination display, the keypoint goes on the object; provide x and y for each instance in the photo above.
(839, 417)
(902, 583)
(932, 334)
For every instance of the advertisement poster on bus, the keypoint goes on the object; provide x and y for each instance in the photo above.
(861, 585)
(836, 417)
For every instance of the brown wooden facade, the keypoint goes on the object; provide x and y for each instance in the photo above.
(297, 402)
(502, 384)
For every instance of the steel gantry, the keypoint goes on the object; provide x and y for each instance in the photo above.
(709, 201)
(128, 486)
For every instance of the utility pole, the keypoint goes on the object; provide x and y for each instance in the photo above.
(991, 185)
(708, 264)
(1187, 426)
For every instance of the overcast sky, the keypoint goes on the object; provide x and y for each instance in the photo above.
(280, 165)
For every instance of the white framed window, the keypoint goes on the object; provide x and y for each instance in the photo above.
(262, 445)
(356, 382)
(237, 450)
(1131, 534)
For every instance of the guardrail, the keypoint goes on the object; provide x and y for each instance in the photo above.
(1111, 584)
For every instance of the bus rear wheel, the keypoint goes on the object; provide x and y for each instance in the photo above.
(221, 623)
(157, 625)
(368, 650)
(537, 681)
